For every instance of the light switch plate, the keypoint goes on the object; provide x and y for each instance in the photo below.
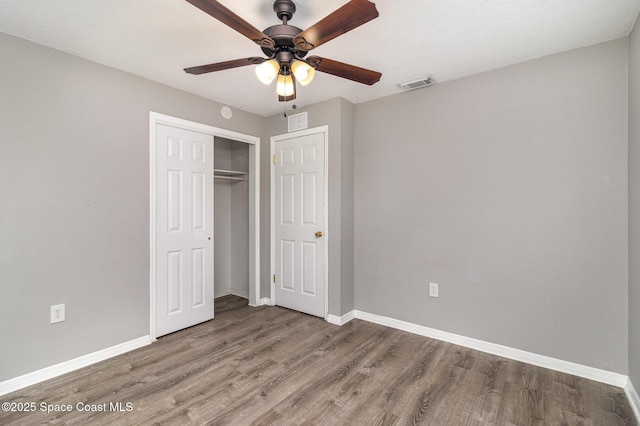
(433, 290)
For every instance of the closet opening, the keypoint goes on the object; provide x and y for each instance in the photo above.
(231, 218)
(205, 201)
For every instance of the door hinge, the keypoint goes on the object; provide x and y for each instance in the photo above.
(274, 278)
(274, 159)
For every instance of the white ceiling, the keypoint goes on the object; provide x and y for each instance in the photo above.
(444, 39)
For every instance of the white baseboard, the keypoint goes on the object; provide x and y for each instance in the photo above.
(342, 320)
(47, 373)
(231, 290)
(262, 302)
(266, 301)
(634, 399)
(240, 293)
(579, 370)
(222, 293)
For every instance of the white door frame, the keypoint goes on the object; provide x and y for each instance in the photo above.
(254, 203)
(324, 130)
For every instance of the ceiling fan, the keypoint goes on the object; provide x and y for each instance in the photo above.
(286, 46)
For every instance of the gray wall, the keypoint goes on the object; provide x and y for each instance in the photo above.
(509, 189)
(338, 115)
(634, 206)
(74, 185)
(347, 193)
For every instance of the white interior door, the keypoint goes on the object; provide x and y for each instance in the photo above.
(184, 228)
(299, 225)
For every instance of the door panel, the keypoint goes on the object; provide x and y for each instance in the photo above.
(288, 262)
(184, 228)
(174, 282)
(198, 187)
(198, 273)
(174, 200)
(287, 187)
(299, 215)
(309, 199)
(309, 273)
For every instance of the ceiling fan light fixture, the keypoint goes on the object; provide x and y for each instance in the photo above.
(267, 71)
(286, 45)
(304, 72)
(284, 86)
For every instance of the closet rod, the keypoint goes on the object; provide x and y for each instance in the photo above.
(229, 172)
(229, 178)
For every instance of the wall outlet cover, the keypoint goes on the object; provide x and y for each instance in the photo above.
(57, 313)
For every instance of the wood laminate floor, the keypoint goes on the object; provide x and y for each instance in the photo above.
(269, 365)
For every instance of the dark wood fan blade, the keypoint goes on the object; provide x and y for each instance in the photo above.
(340, 69)
(227, 17)
(219, 66)
(348, 17)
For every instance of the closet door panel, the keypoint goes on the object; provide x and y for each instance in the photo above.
(184, 228)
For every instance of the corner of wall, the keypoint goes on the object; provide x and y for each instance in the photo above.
(347, 174)
(634, 206)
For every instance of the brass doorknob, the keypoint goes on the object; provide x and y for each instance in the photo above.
(319, 234)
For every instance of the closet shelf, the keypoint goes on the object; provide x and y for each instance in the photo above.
(229, 174)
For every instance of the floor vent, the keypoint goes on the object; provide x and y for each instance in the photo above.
(414, 84)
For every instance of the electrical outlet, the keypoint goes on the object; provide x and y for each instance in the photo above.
(433, 289)
(57, 313)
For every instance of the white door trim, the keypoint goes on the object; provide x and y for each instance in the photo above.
(254, 203)
(324, 130)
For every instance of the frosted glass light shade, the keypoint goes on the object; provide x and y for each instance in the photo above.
(284, 86)
(267, 71)
(304, 72)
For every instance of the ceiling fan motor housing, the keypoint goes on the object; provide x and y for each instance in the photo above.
(283, 36)
(284, 9)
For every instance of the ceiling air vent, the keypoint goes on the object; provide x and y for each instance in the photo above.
(298, 121)
(414, 84)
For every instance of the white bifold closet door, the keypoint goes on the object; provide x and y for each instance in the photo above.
(184, 228)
